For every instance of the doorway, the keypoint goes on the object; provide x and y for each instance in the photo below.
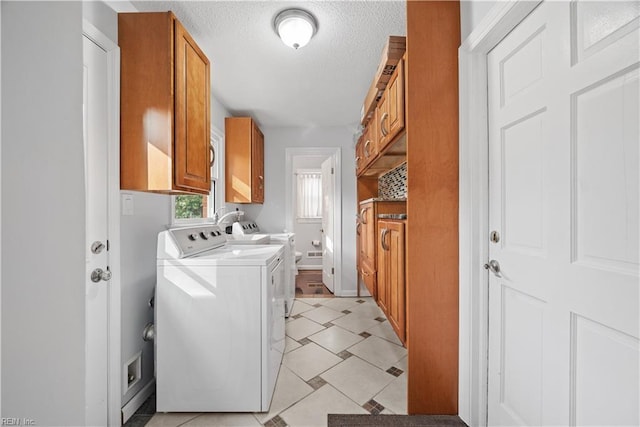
(555, 278)
(313, 200)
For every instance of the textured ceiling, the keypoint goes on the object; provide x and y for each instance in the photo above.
(253, 72)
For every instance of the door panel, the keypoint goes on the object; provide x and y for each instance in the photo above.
(192, 134)
(605, 147)
(95, 108)
(257, 164)
(394, 256)
(396, 102)
(564, 197)
(328, 233)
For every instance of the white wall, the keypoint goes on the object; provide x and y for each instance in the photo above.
(43, 213)
(271, 215)
(307, 231)
(471, 13)
(138, 238)
(102, 17)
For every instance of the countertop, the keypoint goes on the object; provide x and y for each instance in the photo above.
(381, 199)
(392, 216)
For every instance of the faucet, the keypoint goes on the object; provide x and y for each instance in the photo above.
(215, 214)
(228, 214)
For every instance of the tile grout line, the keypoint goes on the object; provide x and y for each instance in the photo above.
(190, 419)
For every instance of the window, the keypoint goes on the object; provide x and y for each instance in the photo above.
(309, 194)
(188, 207)
(193, 208)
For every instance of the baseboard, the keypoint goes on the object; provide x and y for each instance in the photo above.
(136, 401)
(353, 293)
(309, 267)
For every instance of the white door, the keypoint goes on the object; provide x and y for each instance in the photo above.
(327, 223)
(97, 254)
(564, 154)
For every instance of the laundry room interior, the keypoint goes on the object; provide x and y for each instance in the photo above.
(319, 213)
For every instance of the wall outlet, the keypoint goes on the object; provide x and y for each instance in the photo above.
(132, 372)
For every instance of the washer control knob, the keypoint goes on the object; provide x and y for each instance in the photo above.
(193, 236)
(204, 235)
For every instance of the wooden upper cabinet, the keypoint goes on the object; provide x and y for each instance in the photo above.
(391, 108)
(164, 106)
(244, 161)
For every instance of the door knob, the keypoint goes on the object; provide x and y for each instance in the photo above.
(99, 274)
(494, 267)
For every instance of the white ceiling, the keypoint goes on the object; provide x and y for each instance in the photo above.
(254, 73)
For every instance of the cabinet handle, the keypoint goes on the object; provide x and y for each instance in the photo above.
(384, 131)
(213, 155)
(357, 160)
(364, 273)
(261, 178)
(366, 148)
(383, 234)
(358, 228)
(362, 217)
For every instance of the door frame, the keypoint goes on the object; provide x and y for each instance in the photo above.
(333, 152)
(474, 205)
(114, 395)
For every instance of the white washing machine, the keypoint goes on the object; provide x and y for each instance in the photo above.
(219, 313)
(248, 232)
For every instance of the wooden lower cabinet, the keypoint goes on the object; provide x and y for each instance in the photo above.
(367, 218)
(369, 279)
(391, 294)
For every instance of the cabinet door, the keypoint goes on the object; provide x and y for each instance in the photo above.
(382, 118)
(191, 144)
(369, 147)
(368, 234)
(369, 278)
(257, 165)
(359, 154)
(395, 105)
(394, 253)
(383, 269)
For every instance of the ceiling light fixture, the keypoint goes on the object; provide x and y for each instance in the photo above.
(295, 27)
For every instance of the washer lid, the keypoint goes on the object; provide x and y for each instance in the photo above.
(231, 255)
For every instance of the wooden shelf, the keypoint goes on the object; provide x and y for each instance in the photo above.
(391, 158)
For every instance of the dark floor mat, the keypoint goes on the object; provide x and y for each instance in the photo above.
(353, 420)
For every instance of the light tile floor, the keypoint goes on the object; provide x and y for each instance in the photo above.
(341, 356)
